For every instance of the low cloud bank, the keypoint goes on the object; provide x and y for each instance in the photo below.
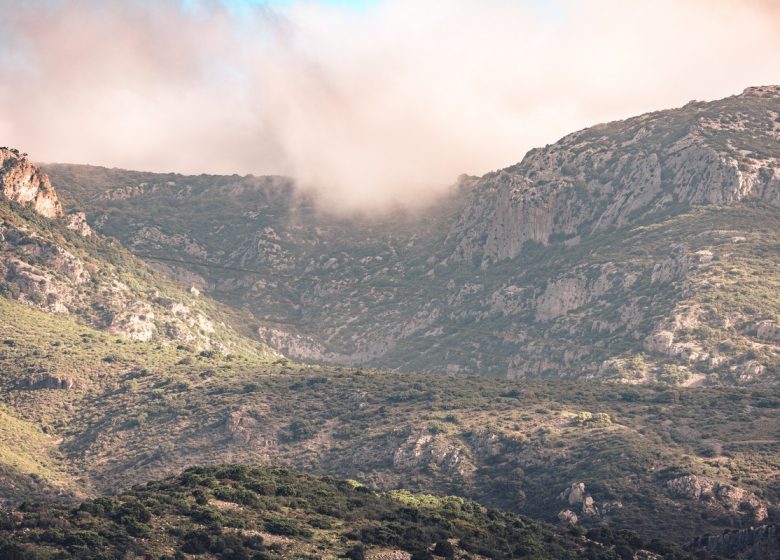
(372, 108)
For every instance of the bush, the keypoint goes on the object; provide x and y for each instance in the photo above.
(444, 549)
(196, 542)
(251, 388)
(357, 552)
(285, 527)
(299, 430)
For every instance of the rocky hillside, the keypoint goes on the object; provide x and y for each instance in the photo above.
(58, 264)
(756, 542)
(638, 250)
(618, 174)
(85, 413)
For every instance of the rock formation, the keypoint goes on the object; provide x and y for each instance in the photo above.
(719, 494)
(27, 184)
(755, 543)
(577, 497)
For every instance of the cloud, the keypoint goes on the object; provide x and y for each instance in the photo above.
(369, 108)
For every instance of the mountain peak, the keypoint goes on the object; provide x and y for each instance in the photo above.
(27, 184)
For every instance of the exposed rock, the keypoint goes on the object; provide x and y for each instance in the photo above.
(568, 517)
(762, 91)
(161, 240)
(49, 381)
(574, 494)
(36, 286)
(589, 507)
(240, 427)
(730, 497)
(691, 486)
(748, 371)
(422, 449)
(671, 269)
(135, 325)
(590, 181)
(755, 543)
(647, 555)
(78, 223)
(388, 555)
(660, 342)
(25, 183)
(561, 296)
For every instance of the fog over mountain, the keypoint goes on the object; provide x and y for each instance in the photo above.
(373, 107)
(390, 279)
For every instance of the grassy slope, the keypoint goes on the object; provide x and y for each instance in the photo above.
(30, 463)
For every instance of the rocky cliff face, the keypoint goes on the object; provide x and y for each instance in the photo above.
(635, 251)
(27, 184)
(616, 174)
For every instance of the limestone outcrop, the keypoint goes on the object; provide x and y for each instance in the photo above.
(616, 174)
(578, 499)
(719, 494)
(27, 184)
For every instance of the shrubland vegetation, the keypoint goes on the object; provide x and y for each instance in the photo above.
(139, 410)
(238, 513)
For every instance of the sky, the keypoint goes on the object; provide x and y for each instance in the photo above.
(369, 104)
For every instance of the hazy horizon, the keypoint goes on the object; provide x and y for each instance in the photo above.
(369, 104)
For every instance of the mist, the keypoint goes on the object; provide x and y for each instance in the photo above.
(372, 108)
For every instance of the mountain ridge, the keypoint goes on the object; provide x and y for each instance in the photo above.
(510, 257)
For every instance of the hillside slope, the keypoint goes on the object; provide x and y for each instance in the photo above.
(75, 279)
(234, 512)
(58, 264)
(640, 250)
(111, 375)
(665, 463)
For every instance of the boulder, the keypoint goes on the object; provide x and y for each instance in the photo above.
(574, 494)
(768, 330)
(49, 381)
(568, 517)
